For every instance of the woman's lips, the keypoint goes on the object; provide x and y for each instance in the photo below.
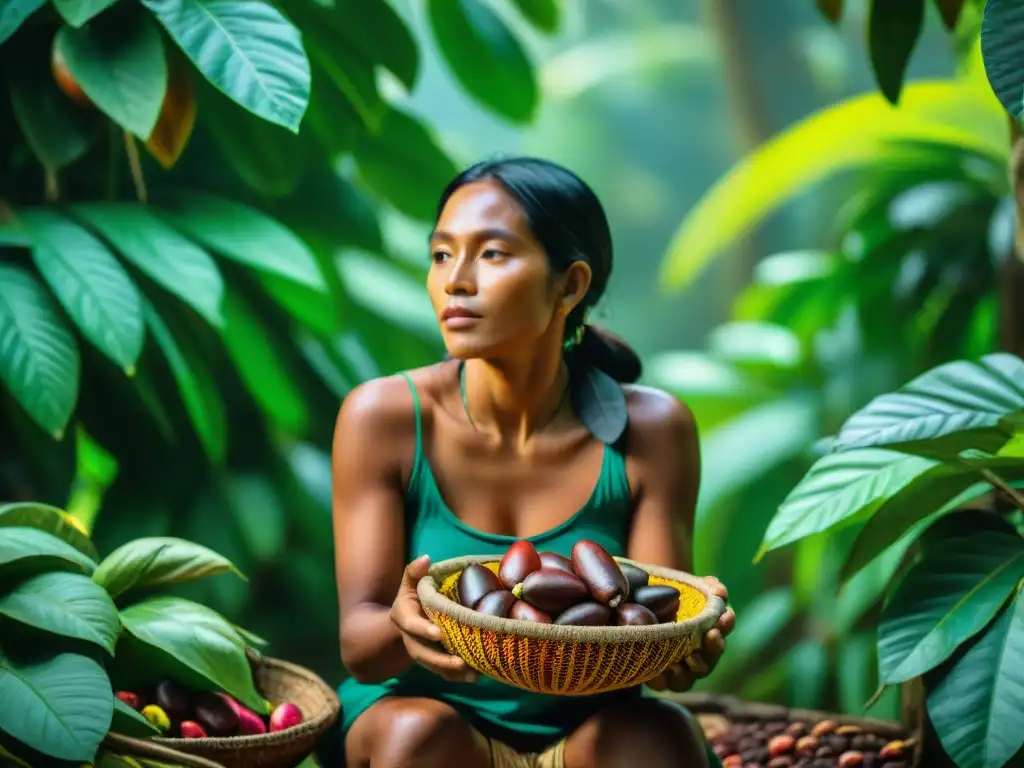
(458, 317)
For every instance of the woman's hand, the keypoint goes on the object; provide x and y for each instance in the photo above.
(421, 636)
(681, 677)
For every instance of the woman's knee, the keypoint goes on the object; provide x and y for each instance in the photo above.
(649, 732)
(413, 733)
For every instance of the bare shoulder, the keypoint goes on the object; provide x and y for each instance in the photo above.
(657, 420)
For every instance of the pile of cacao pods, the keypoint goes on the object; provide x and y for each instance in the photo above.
(178, 712)
(805, 745)
(588, 589)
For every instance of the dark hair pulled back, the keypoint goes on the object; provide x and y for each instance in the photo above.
(567, 219)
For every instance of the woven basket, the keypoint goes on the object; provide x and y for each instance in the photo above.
(564, 660)
(278, 681)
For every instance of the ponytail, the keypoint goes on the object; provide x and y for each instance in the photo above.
(607, 352)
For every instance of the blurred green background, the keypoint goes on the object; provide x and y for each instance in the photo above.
(850, 246)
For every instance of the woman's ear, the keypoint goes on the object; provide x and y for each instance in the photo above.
(576, 285)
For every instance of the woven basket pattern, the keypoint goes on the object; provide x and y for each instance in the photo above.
(569, 661)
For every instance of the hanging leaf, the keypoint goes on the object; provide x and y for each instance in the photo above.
(954, 407)
(13, 14)
(61, 706)
(177, 113)
(78, 12)
(199, 638)
(259, 513)
(120, 67)
(600, 403)
(404, 164)
(50, 519)
(197, 387)
(39, 361)
(268, 375)
(838, 489)
(486, 57)
(975, 706)
(545, 15)
(831, 9)
(67, 604)
(58, 130)
(245, 235)
(893, 30)
(945, 599)
(27, 550)
(161, 252)
(131, 723)
(1002, 51)
(248, 50)
(950, 10)
(158, 562)
(90, 283)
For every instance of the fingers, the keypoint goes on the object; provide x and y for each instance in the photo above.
(415, 571)
(717, 587)
(727, 623)
(438, 661)
(679, 678)
(714, 647)
(407, 615)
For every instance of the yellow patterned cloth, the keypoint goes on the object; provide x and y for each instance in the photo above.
(503, 756)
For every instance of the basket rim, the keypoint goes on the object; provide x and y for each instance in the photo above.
(428, 590)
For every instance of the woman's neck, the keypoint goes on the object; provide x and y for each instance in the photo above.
(515, 399)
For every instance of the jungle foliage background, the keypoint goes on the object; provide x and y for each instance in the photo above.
(199, 399)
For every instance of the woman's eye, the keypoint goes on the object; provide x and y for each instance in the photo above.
(493, 253)
(438, 256)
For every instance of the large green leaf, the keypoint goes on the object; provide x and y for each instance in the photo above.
(196, 384)
(90, 283)
(24, 549)
(268, 375)
(173, 261)
(247, 49)
(1002, 50)
(157, 562)
(58, 130)
(131, 723)
(31, 514)
(39, 362)
(60, 706)
(975, 706)
(67, 604)
(246, 235)
(952, 408)
(545, 15)
(486, 57)
(261, 517)
(404, 164)
(13, 14)
(199, 638)
(78, 12)
(946, 598)
(121, 68)
(839, 488)
(857, 133)
(893, 30)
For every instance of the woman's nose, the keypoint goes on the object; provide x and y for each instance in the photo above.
(461, 278)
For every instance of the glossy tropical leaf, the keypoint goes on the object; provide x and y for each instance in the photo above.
(268, 375)
(858, 133)
(248, 50)
(831, 9)
(197, 387)
(952, 408)
(946, 598)
(78, 12)
(1002, 50)
(60, 706)
(199, 638)
(975, 706)
(161, 252)
(24, 548)
(121, 68)
(66, 604)
(90, 283)
(58, 130)
(50, 519)
(13, 14)
(486, 57)
(545, 15)
(404, 164)
(838, 489)
(177, 113)
(131, 723)
(149, 562)
(39, 362)
(262, 520)
(893, 30)
(601, 405)
(245, 235)
(865, 589)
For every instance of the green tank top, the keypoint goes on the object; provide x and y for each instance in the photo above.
(515, 715)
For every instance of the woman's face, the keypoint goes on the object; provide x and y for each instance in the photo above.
(489, 280)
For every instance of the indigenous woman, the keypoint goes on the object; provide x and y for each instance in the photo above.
(493, 445)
